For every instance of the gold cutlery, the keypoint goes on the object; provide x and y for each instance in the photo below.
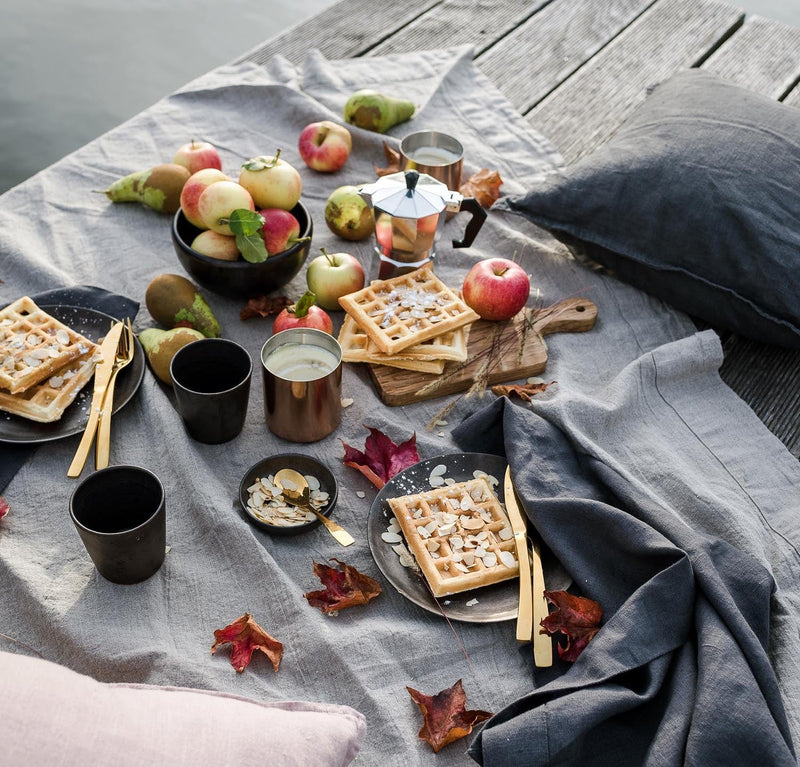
(295, 491)
(520, 529)
(123, 357)
(102, 374)
(542, 643)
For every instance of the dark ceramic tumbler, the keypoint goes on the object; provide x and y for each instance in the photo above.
(120, 515)
(211, 380)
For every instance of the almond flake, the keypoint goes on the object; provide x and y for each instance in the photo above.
(507, 558)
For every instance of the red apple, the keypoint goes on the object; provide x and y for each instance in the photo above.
(281, 230)
(272, 182)
(496, 288)
(325, 146)
(193, 188)
(216, 245)
(303, 314)
(198, 155)
(332, 275)
(218, 201)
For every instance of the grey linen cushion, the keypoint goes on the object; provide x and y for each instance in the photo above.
(696, 199)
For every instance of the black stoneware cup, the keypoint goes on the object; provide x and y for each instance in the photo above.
(211, 381)
(120, 515)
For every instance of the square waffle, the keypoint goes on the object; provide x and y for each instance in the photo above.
(427, 357)
(460, 536)
(407, 310)
(34, 345)
(46, 401)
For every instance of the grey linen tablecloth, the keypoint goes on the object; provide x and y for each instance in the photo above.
(660, 488)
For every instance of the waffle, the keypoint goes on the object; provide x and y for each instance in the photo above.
(427, 357)
(46, 401)
(406, 310)
(460, 536)
(34, 345)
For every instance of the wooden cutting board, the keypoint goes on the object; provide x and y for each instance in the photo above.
(512, 350)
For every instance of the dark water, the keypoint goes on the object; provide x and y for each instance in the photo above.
(73, 69)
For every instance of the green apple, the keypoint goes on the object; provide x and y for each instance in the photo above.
(272, 182)
(330, 276)
(218, 201)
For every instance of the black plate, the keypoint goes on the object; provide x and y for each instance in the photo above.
(94, 325)
(496, 603)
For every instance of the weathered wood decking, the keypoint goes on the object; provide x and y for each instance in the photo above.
(576, 69)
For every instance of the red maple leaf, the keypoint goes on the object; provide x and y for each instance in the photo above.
(381, 458)
(246, 636)
(577, 617)
(344, 587)
(444, 715)
(4, 507)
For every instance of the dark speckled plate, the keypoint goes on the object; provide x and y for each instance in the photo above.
(496, 603)
(94, 325)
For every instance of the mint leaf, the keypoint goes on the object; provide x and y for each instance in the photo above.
(245, 222)
(252, 247)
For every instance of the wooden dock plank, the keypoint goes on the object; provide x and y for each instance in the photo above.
(540, 54)
(348, 28)
(588, 108)
(460, 22)
(763, 55)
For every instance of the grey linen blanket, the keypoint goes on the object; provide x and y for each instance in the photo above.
(677, 478)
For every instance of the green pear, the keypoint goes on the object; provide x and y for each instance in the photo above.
(173, 301)
(160, 347)
(159, 188)
(376, 112)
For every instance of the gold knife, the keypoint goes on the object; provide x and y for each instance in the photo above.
(102, 374)
(520, 528)
(542, 643)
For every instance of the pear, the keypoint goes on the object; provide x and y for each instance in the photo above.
(160, 347)
(159, 188)
(173, 301)
(376, 112)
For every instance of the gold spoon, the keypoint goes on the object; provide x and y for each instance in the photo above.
(296, 492)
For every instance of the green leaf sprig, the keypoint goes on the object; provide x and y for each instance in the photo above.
(246, 225)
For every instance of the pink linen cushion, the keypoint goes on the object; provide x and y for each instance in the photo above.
(55, 716)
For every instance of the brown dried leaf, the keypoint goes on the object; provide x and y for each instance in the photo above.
(484, 186)
(392, 161)
(576, 617)
(344, 587)
(444, 715)
(525, 391)
(264, 306)
(246, 636)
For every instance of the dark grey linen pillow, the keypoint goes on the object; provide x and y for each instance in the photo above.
(696, 199)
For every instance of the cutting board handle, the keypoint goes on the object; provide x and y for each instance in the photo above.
(569, 315)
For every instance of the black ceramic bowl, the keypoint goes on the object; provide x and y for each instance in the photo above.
(241, 278)
(305, 465)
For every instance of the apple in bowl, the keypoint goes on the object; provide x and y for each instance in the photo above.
(496, 288)
(325, 146)
(272, 182)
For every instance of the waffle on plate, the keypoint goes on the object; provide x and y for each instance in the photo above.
(459, 535)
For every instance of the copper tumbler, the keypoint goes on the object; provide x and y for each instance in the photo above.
(434, 153)
(302, 370)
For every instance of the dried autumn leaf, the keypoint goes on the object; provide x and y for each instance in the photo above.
(344, 587)
(484, 186)
(444, 715)
(392, 161)
(246, 636)
(264, 306)
(381, 458)
(4, 507)
(525, 391)
(577, 617)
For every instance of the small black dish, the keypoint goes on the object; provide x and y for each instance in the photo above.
(305, 464)
(241, 278)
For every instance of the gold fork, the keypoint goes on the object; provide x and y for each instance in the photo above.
(123, 357)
